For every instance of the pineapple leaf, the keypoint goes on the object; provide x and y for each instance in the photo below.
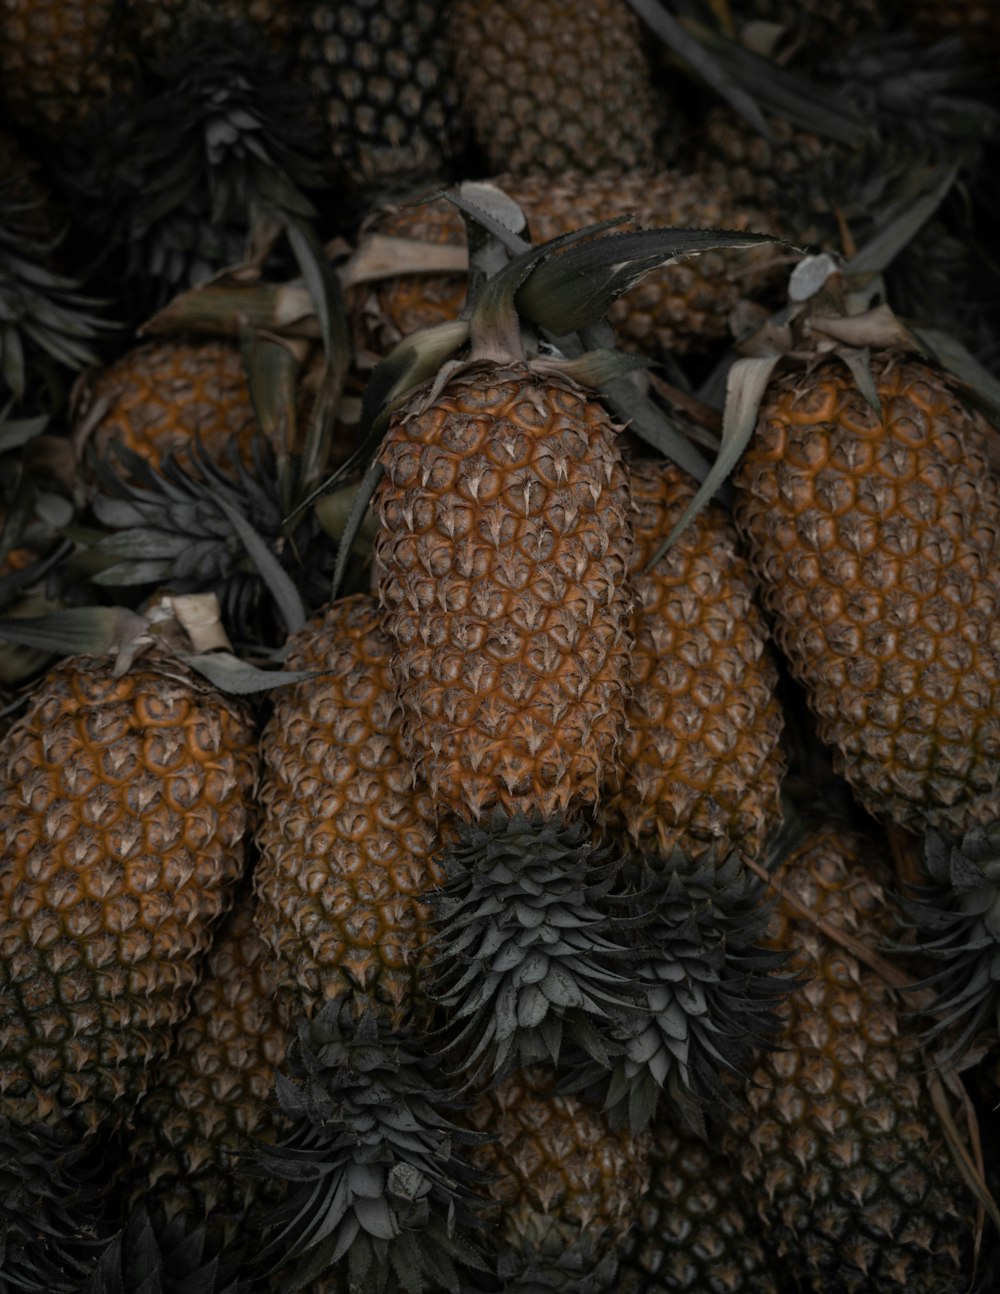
(881, 250)
(239, 678)
(745, 387)
(701, 60)
(281, 587)
(352, 527)
(576, 288)
(76, 630)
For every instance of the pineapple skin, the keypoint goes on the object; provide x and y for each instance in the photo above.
(380, 72)
(503, 552)
(700, 763)
(876, 547)
(212, 1095)
(347, 839)
(562, 1173)
(680, 308)
(54, 65)
(856, 1188)
(695, 1232)
(123, 809)
(161, 25)
(554, 85)
(158, 397)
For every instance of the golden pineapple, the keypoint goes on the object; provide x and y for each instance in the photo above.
(503, 550)
(553, 85)
(563, 1178)
(700, 763)
(212, 1095)
(157, 398)
(855, 1186)
(347, 839)
(876, 544)
(679, 308)
(123, 809)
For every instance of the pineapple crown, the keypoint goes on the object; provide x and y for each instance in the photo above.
(709, 989)
(924, 96)
(49, 1210)
(46, 320)
(533, 946)
(181, 178)
(958, 920)
(374, 1161)
(149, 1257)
(187, 525)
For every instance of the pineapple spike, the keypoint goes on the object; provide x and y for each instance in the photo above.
(531, 952)
(378, 1178)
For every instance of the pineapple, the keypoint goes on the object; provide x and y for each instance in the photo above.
(695, 1230)
(156, 398)
(875, 538)
(211, 1095)
(565, 1186)
(700, 763)
(125, 800)
(60, 59)
(678, 308)
(551, 86)
(379, 74)
(503, 554)
(977, 22)
(347, 839)
(856, 1190)
(161, 26)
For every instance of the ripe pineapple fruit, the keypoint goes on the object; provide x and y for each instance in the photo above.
(565, 1185)
(551, 86)
(875, 540)
(157, 398)
(123, 809)
(347, 838)
(679, 308)
(212, 1095)
(695, 1230)
(855, 1187)
(503, 552)
(701, 762)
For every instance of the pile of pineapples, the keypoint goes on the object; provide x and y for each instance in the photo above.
(499, 725)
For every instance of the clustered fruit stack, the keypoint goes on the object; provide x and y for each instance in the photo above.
(598, 890)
